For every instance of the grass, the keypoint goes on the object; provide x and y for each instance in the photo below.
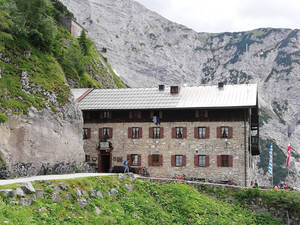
(149, 203)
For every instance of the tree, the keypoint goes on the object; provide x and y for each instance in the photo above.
(5, 22)
(83, 41)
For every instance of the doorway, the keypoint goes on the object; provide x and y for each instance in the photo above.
(104, 161)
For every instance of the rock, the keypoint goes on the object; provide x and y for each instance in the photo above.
(82, 202)
(121, 177)
(25, 202)
(69, 197)
(19, 192)
(84, 192)
(7, 192)
(99, 194)
(55, 197)
(39, 193)
(78, 192)
(13, 202)
(98, 211)
(55, 187)
(93, 193)
(28, 188)
(129, 187)
(63, 186)
(113, 191)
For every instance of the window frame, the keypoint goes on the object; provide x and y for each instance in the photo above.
(135, 131)
(154, 156)
(224, 160)
(226, 130)
(85, 133)
(200, 163)
(179, 132)
(134, 159)
(156, 132)
(203, 135)
(106, 114)
(178, 160)
(106, 132)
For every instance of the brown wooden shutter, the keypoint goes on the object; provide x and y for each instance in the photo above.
(207, 160)
(129, 132)
(196, 133)
(151, 115)
(101, 115)
(100, 132)
(184, 132)
(173, 132)
(130, 115)
(160, 114)
(230, 161)
(129, 159)
(88, 133)
(149, 160)
(183, 160)
(229, 132)
(139, 114)
(196, 160)
(197, 114)
(140, 132)
(173, 160)
(160, 160)
(219, 160)
(219, 132)
(110, 132)
(139, 160)
(207, 132)
(161, 132)
(150, 132)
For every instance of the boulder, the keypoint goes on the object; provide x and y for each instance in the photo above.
(98, 211)
(7, 192)
(113, 191)
(28, 188)
(39, 193)
(19, 192)
(55, 197)
(99, 194)
(78, 192)
(69, 197)
(82, 203)
(63, 186)
(121, 177)
(25, 202)
(129, 187)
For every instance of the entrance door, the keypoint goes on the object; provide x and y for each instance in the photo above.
(104, 162)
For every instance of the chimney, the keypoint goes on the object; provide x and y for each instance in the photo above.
(174, 89)
(161, 87)
(220, 85)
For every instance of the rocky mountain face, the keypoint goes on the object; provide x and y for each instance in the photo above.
(146, 49)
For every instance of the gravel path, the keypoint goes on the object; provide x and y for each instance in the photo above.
(52, 177)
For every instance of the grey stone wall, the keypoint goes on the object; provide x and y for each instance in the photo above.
(167, 146)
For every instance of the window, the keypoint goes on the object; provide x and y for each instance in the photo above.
(155, 159)
(87, 158)
(224, 132)
(156, 132)
(202, 160)
(86, 133)
(106, 115)
(106, 132)
(201, 132)
(179, 132)
(135, 132)
(178, 160)
(225, 160)
(134, 159)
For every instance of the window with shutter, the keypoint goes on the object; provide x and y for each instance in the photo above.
(106, 132)
(201, 132)
(225, 160)
(156, 160)
(156, 132)
(179, 132)
(135, 132)
(224, 132)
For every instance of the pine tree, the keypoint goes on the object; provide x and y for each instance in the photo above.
(84, 43)
(5, 22)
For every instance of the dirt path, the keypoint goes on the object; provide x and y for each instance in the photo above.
(52, 177)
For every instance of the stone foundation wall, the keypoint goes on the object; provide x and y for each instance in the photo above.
(167, 146)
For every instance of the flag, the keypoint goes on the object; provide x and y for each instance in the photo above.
(270, 169)
(288, 155)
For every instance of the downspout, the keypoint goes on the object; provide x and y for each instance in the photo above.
(245, 147)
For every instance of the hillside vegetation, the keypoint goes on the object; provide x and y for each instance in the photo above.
(40, 60)
(145, 203)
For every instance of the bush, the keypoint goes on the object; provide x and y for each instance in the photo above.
(3, 118)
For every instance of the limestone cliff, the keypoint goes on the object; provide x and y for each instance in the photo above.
(146, 49)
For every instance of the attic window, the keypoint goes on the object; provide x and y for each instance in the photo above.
(174, 89)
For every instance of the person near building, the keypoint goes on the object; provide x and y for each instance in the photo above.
(126, 170)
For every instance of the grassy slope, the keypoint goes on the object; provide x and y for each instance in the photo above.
(149, 203)
(51, 73)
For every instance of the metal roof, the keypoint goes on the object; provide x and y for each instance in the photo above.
(242, 95)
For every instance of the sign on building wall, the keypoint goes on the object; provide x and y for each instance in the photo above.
(104, 145)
